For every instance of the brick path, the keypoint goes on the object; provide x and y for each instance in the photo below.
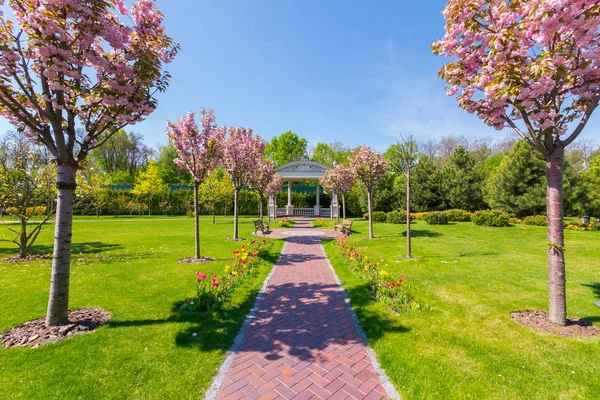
(302, 342)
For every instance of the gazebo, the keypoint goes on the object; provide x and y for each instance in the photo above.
(299, 171)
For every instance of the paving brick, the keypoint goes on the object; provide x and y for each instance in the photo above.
(302, 342)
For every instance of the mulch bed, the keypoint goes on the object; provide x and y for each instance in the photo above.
(236, 240)
(28, 257)
(193, 260)
(540, 321)
(35, 333)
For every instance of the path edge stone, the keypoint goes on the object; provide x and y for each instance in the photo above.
(219, 378)
(385, 380)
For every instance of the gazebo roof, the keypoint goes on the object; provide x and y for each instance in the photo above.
(302, 170)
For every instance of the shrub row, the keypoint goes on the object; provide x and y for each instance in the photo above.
(212, 293)
(491, 218)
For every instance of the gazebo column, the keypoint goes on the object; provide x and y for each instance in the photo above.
(289, 209)
(318, 205)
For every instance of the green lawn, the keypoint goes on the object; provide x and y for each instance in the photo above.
(128, 267)
(468, 347)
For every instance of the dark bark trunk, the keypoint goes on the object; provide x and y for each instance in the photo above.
(196, 222)
(343, 206)
(235, 213)
(214, 216)
(556, 239)
(58, 301)
(408, 246)
(23, 238)
(260, 208)
(370, 207)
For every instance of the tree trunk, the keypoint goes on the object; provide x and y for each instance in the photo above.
(23, 238)
(196, 222)
(235, 213)
(260, 208)
(214, 211)
(370, 207)
(408, 248)
(556, 237)
(58, 301)
(343, 206)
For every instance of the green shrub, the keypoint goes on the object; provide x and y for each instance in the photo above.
(378, 216)
(436, 218)
(537, 220)
(396, 217)
(491, 218)
(458, 215)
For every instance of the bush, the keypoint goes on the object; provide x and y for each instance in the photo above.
(378, 216)
(396, 217)
(491, 218)
(537, 220)
(580, 226)
(29, 211)
(436, 218)
(458, 215)
(420, 216)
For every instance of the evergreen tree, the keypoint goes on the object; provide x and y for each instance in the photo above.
(518, 184)
(427, 192)
(463, 181)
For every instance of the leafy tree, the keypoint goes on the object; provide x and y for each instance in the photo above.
(167, 169)
(428, 191)
(92, 188)
(331, 154)
(518, 184)
(369, 167)
(285, 148)
(339, 180)
(216, 190)
(463, 181)
(261, 177)
(26, 189)
(148, 184)
(531, 66)
(591, 180)
(403, 157)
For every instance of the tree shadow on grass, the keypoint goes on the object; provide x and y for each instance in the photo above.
(415, 233)
(595, 288)
(76, 248)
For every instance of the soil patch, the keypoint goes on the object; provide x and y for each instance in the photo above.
(193, 260)
(236, 240)
(28, 257)
(540, 321)
(35, 333)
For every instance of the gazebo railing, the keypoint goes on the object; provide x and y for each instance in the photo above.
(325, 212)
(281, 212)
(304, 212)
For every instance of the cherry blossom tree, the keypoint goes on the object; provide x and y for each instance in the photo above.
(241, 153)
(532, 66)
(274, 187)
(74, 65)
(339, 180)
(198, 152)
(260, 179)
(369, 167)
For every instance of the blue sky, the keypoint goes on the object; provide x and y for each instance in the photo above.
(354, 71)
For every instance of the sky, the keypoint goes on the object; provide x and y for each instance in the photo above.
(360, 72)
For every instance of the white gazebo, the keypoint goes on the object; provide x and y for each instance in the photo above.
(300, 171)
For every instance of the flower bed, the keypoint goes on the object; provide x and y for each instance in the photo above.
(318, 223)
(580, 226)
(390, 291)
(212, 292)
(285, 222)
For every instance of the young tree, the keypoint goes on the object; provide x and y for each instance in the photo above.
(273, 188)
(368, 166)
(285, 148)
(92, 188)
(26, 189)
(531, 66)
(403, 157)
(198, 152)
(241, 153)
(339, 180)
(148, 184)
(260, 179)
(169, 171)
(517, 185)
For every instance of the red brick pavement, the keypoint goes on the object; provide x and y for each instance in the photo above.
(302, 342)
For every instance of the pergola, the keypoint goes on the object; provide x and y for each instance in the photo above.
(300, 171)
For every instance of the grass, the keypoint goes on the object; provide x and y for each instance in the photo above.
(282, 223)
(473, 277)
(128, 267)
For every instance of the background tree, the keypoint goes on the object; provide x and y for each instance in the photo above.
(169, 171)
(285, 148)
(26, 189)
(331, 154)
(531, 66)
(148, 184)
(92, 188)
(215, 190)
(591, 179)
(339, 180)
(368, 167)
(240, 154)
(463, 181)
(403, 157)
(427, 192)
(274, 187)
(198, 151)
(122, 156)
(518, 184)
